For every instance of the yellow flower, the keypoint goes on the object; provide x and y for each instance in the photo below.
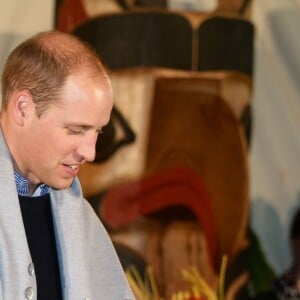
(199, 289)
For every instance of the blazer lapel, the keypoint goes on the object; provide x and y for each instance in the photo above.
(15, 256)
(72, 252)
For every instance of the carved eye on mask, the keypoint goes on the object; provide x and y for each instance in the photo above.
(116, 134)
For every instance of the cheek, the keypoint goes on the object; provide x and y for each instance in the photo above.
(49, 142)
(58, 147)
(52, 147)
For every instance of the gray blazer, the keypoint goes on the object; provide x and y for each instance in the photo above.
(89, 266)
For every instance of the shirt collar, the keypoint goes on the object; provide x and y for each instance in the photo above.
(23, 187)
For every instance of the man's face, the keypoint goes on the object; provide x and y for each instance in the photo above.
(64, 137)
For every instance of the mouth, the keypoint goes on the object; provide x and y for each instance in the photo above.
(73, 167)
(72, 170)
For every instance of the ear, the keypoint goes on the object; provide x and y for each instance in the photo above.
(22, 106)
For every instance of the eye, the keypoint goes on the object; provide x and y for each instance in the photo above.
(75, 130)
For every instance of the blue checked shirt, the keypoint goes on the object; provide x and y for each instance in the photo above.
(23, 189)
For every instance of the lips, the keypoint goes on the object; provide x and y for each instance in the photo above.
(71, 170)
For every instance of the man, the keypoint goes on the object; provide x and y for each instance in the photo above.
(56, 97)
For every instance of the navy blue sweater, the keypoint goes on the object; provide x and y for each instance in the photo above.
(37, 218)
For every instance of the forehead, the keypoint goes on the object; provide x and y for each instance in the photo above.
(87, 97)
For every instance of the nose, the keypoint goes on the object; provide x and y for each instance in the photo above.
(87, 148)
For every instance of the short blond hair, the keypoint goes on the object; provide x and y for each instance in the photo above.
(42, 63)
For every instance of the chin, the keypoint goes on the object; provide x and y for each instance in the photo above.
(61, 185)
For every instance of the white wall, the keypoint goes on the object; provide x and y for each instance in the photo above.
(275, 152)
(20, 19)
